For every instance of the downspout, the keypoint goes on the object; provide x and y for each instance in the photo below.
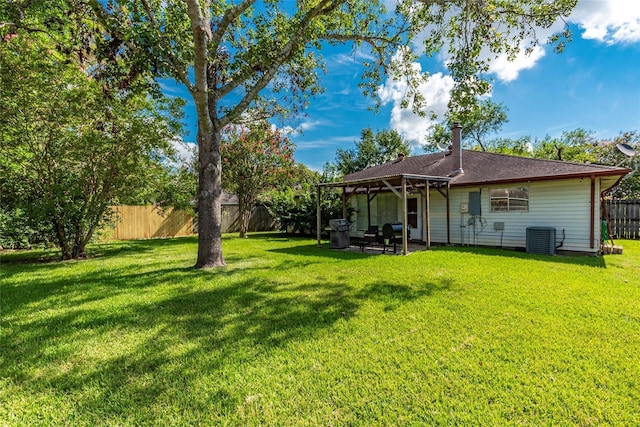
(344, 203)
(427, 216)
(368, 207)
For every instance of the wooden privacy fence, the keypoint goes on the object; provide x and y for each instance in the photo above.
(146, 222)
(624, 218)
(261, 219)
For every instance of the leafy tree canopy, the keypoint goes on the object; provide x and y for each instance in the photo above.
(295, 207)
(478, 122)
(72, 143)
(372, 149)
(522, 146)
(608, 154)
(577, 145)
(256, 158)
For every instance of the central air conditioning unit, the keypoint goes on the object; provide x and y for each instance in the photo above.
(541, 240)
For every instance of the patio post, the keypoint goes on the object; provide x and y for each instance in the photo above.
(427, 216)
(344, 203)
(405, 219)
(368, 207)
(448, 217)
(318, 217)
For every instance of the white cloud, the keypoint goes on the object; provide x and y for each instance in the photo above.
(508, 70)
(347, 64)
(610, 21)
(308, 125)
(186, 151)
(437, 93)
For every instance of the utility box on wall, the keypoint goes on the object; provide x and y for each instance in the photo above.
(474, 203)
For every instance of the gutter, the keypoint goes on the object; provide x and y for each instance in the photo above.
(622, 173)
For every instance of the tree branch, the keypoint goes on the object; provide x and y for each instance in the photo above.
(229, 16)
(323, 8)
(201, 31)
(177, 67)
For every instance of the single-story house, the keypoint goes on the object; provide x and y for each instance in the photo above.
(469, 197)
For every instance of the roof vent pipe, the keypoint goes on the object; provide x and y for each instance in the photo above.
(456, 148)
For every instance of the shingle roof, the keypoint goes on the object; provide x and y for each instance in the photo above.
(481, 167)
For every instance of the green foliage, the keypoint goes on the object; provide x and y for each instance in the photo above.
(296, 213)
(179, 191)
(575, 146)
(71, 144)
(478, 121)
(255, 159)
(608, 154)
(295, 207)
(371, 150)
(471, 34)
(17, 230)
(289, 334)
(172, 183)
(522, 146)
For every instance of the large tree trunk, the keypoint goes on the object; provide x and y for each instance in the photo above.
(209, 195)
(209, 136)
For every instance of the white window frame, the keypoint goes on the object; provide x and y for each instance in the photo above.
(503, 197)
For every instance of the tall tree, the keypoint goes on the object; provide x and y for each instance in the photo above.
(70, 143)
(372, 149)
(576, 146)
(233, 57)
(478, 121)
(263, 56)
(522, 146)
(256, 159)
(471, 33)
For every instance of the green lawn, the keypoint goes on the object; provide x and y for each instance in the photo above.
(288, 334)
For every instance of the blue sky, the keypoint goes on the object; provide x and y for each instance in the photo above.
(594, 84)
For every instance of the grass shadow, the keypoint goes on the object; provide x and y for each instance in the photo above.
(169, 342)
(127, 345)
(580, 260)
(313, 250)
(96, 250)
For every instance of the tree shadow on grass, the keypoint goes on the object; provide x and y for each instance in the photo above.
(127, 358)
(314, 251)
(96, 250)
(582, 260)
